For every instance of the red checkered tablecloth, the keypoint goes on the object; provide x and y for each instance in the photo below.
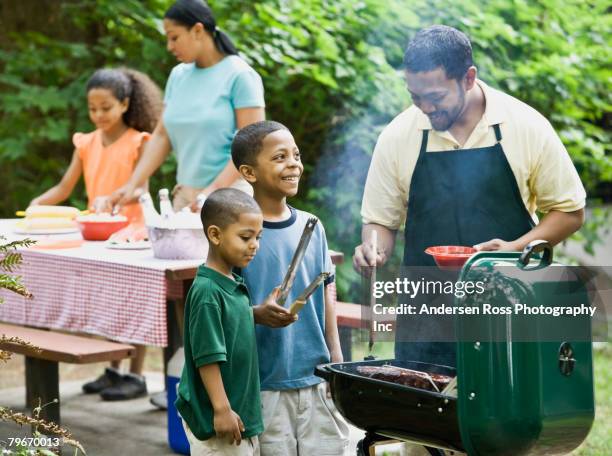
(124, 303)
(120, 295)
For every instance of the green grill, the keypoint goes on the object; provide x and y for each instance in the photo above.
(514, 397)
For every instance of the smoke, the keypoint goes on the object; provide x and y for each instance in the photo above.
(340, 173)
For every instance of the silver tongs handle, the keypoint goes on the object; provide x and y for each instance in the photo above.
(296, 260)
(307, 293)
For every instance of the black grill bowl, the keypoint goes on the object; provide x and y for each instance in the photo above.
(392, 410)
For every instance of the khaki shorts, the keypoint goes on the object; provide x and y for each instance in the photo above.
(184, 195)
(302, 422)
(216, 446)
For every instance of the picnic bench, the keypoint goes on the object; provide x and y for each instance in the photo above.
(47, 350)
(353, 316)
(348, 316)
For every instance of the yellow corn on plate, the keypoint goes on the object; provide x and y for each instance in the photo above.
(40, 223)
(51, 211)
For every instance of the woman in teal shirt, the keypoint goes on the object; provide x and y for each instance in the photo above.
(209, 96)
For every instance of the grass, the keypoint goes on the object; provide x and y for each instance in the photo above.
(599, 440)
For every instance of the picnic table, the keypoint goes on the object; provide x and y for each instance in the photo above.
(119, 294)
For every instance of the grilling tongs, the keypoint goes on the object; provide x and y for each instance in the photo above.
(310, 289)
(451, 388)
(296, 260)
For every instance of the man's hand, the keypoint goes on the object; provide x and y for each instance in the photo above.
(364, 257)
(269, 313)
(228, 425)
(497, 244)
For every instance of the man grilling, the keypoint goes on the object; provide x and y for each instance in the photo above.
(465, 165)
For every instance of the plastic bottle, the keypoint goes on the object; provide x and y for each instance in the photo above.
(151, 216)
(165, 206)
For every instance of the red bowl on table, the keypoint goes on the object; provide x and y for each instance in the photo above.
(450, 256)
(99, 227)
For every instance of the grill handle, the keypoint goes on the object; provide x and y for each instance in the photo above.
(323, 371)
(536, 246)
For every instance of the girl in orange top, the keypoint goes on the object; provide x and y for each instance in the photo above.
(124, 105)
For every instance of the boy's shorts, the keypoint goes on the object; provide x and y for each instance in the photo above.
(217, 446)
(302, 421)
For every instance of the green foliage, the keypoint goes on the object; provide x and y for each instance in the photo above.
(9, 261)
(42, 88)
(320, 72)
(332, 73)
(597, 224)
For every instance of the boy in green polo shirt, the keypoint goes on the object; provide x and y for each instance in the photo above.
(218, 395)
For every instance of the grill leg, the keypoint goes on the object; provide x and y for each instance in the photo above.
(366, 447)
(42, 382)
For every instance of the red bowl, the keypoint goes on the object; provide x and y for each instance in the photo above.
(100, 230)
(450, 256)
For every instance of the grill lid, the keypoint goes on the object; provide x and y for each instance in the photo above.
(527, 397)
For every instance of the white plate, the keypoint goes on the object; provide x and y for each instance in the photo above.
(19, 230)
(140, 245)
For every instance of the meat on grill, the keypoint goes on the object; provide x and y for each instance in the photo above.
(406, 377)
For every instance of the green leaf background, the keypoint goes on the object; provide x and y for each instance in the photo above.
(332, 74)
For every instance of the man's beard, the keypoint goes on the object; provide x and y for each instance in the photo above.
(443, 120)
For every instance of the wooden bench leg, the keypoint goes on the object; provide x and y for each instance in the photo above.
(345, 332)
(175, 339)
(42, 382)
(175, 311)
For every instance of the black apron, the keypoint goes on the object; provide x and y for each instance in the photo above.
(457, 197)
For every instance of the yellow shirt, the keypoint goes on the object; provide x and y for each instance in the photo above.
(544, 172)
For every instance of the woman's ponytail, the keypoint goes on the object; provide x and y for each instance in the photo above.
(223, 42)
(191, 12)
